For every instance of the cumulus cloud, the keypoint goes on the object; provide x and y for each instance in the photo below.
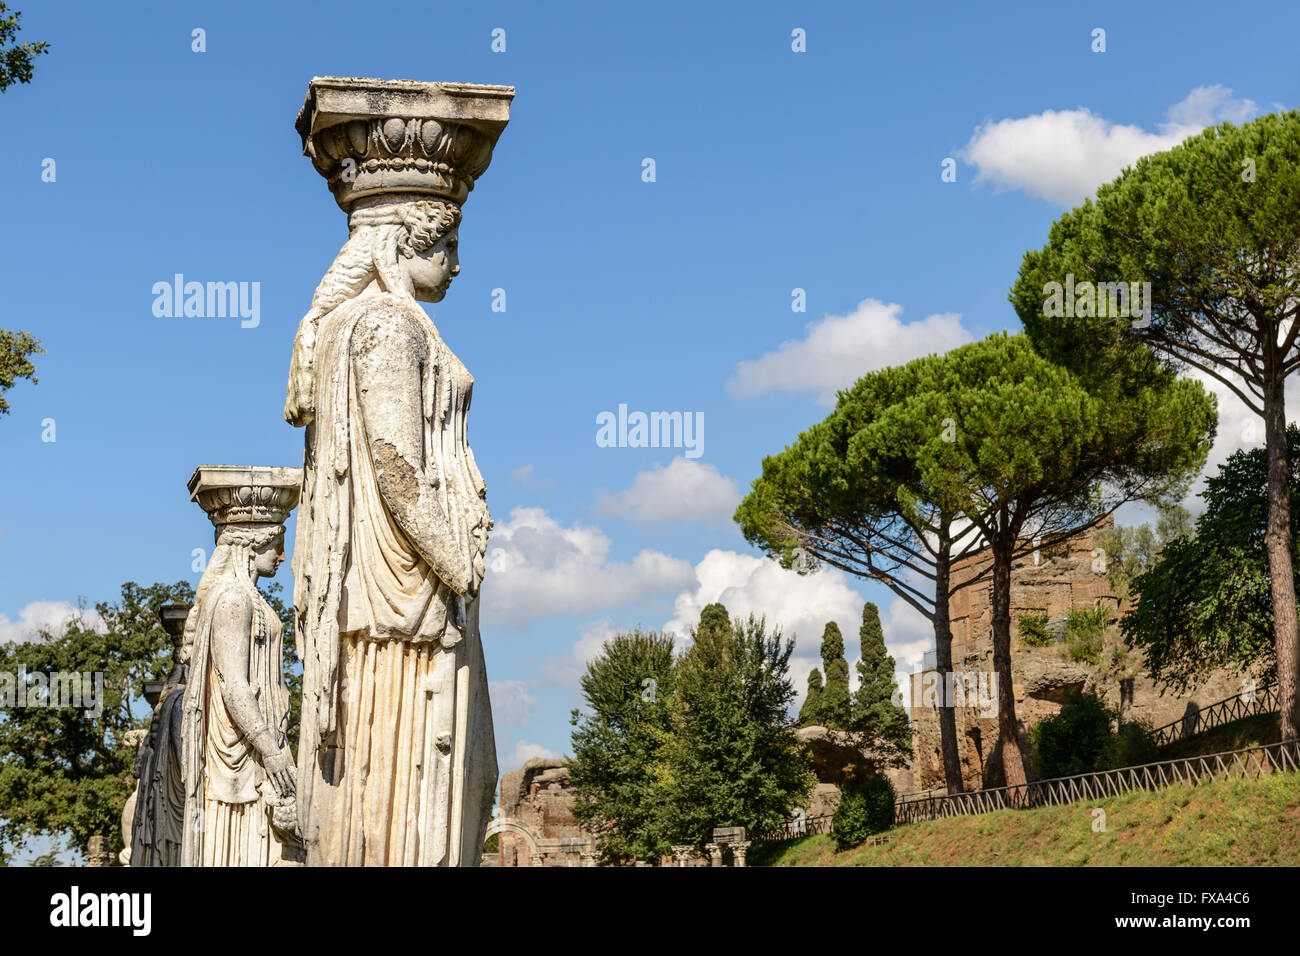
(51, 616)
(1239, 428)
(512, 705)
(799, 604)
(565, 671)
(685, 491)
(523, 752)
(838, 350)
(908, 635)
(526, 475)
(1064, 155)
(537, 569)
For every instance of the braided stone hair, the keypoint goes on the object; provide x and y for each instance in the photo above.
(380, 232)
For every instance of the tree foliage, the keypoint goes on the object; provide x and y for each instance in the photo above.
(619, 770)
(1213, 225)
(15, 58)
(810, 714)
(1205, 601)
(16, 349)
(1129, 551)
(878, 717)
(836, 707)
(846, 495)
(865, 808)
(711, 747)
(66, 772)
(734, 758)
(1033, 451)
(1085, 736)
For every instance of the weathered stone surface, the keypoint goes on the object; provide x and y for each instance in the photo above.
(835, 754)
(1053, 679)
(536, 826)
(153, 819)
(823, 800)
(1042, 677)
(398, 762)
(237, 768)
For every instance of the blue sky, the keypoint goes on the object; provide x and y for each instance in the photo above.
(775, 170)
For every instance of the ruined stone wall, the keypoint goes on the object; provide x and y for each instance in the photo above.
(1042, 677)
(539, 797)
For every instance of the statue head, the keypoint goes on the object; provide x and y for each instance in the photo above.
(253, 549)
(247, 507)
(406, 247)
(411, 245)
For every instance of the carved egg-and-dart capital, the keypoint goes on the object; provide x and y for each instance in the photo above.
(371, 137)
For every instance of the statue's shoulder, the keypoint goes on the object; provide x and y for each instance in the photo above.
(386, 321)
(230, 598)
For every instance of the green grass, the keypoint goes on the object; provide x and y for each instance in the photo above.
(1251, 731)
(1225, 823)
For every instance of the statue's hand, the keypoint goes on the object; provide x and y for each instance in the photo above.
(280, 771)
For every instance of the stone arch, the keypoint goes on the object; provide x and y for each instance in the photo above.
(520, 829)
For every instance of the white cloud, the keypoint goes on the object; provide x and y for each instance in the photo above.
(1239, 428)
(799, 604)
(512, 705)
(537, 569)
(838, 350)
(526, 475)
(1208, 105)
(1064, 155)
(566, 671)
(908, 635)
(523, 752)
(53, 616)
(685, 491)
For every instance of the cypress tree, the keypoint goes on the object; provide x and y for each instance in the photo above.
(810, 714)
(875, 715)
(835, 707)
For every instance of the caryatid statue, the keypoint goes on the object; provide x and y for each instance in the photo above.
(397, 763)
(156, 827)
(238, 769)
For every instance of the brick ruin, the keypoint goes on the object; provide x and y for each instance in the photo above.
(1064, 577)
(536, 826)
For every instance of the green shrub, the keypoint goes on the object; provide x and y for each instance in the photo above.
(1130, 746)
(1085, 630)
(863, 810)
(1075, 740)
(1080, 739)
(1033, 629)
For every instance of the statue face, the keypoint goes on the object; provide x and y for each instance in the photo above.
(268, 557)
(431, 271)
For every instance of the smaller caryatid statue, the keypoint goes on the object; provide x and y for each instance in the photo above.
(159, 803)
(238, 769)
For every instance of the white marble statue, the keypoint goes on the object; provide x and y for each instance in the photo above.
(238, 768)
(397, 761)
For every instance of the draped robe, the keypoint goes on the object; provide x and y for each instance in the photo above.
(397, 761)
(156, 830)
(228, 814)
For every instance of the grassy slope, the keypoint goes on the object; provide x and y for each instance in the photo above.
(1228, 823)
(1247, 732)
